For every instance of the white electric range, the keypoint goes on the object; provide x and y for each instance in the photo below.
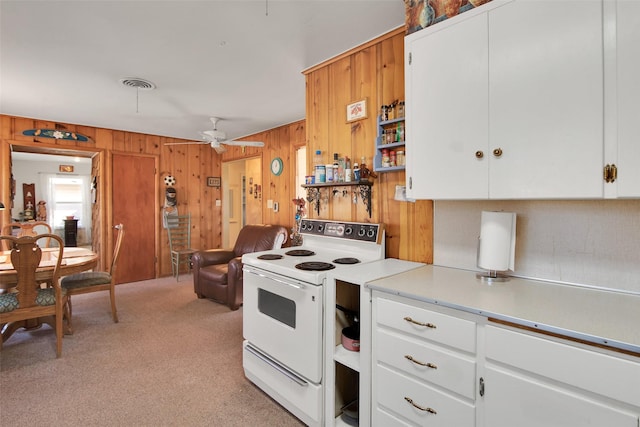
(283, 309)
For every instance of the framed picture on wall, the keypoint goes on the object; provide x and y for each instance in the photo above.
(213, 181)
(357, 110)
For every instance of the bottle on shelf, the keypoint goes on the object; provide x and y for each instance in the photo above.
(347, 170)
(336, 169)
(320, 168)
(356, 172)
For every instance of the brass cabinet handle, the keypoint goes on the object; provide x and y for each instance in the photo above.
(610, 173)
(428, 325)
(422, 408)
(497, 152)
(479, 154)
(417, 362)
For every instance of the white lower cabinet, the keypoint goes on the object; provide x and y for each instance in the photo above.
(531, 380)
(424, 365)
(438, 366)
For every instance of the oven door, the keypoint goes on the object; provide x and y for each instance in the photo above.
(283, 318)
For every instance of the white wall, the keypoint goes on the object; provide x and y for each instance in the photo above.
(593, 243)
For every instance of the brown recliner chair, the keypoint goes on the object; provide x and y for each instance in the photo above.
(217, 273)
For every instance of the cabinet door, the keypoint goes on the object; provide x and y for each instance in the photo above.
(628, 92)
(546, 99)
(446, 118)
(515, 400)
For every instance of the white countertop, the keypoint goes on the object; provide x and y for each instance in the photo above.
(594, 315)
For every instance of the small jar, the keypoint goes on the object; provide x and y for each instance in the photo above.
(392, 158)
(389, 136)
(401, 109)
(400, 159)
(385, 158)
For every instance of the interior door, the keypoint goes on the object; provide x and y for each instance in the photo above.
(134, 207)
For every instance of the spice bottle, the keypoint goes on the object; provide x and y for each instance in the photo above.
(347, 170)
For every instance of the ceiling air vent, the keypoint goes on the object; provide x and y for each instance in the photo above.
(137, 83)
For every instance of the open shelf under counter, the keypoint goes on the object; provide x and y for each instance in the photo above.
(348, 358)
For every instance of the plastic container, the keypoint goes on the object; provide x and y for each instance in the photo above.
(321, 174)
(329, 172)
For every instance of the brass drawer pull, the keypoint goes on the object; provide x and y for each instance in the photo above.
(417, 362)
(429, 410)
(428, 325)
(479, 154)
(497, 152)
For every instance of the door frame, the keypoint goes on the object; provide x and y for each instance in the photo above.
(100, 229)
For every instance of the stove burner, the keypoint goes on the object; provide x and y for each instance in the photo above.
(300, 252)
(270, 256)
(315, 266)
(346, 260)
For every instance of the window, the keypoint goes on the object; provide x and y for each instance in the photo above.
(67, 200)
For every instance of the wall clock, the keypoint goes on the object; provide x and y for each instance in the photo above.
(276, 166)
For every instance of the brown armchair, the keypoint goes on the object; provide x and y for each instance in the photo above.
(217, 273)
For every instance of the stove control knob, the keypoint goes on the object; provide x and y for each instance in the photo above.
(371, 233)
(348, 230)
(303, 226)
(320, 228)
(310, 226)
(361, 232)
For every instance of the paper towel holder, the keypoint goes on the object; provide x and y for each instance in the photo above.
(489, 276)
(492, 276)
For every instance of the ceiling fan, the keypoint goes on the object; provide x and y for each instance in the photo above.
(218, 139)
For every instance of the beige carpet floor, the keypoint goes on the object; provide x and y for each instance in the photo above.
(173, 360)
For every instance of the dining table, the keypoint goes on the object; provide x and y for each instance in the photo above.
(74, 260)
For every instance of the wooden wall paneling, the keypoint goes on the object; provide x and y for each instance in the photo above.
(5, 174)
(376, 71)
(390, 85)
(317, 114)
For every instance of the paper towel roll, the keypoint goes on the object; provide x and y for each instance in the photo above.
(497, 246)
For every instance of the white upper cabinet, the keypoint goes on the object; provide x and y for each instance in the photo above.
(447, 114)
(623, 116)
(507, 103)
(546, 100)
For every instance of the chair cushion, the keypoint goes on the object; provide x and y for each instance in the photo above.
(215, 273)
(9, 302)
(85, 279)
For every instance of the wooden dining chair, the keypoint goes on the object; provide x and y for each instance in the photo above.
(94, 281)
(30, 304)
(30, 228)
(179, 231)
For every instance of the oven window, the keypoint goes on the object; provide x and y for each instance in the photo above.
(277, 307)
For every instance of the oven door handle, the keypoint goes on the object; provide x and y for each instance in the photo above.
(264, 276)
(284, 371)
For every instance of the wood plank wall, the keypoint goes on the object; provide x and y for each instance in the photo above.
(189, 164)
(375, 72)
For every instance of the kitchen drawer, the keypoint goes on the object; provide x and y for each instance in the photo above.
(427, 324)
(599, 373)
(382, 418)
(393, 389)
(445, 368)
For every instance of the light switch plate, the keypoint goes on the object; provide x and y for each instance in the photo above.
(269, 204)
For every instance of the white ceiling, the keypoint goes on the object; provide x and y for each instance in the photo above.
(238, 60)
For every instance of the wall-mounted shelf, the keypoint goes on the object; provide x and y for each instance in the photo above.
(314, 192)
(382, 144)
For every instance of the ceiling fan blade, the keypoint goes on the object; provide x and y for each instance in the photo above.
(245, 143)
(219, 148)
(187, 143)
